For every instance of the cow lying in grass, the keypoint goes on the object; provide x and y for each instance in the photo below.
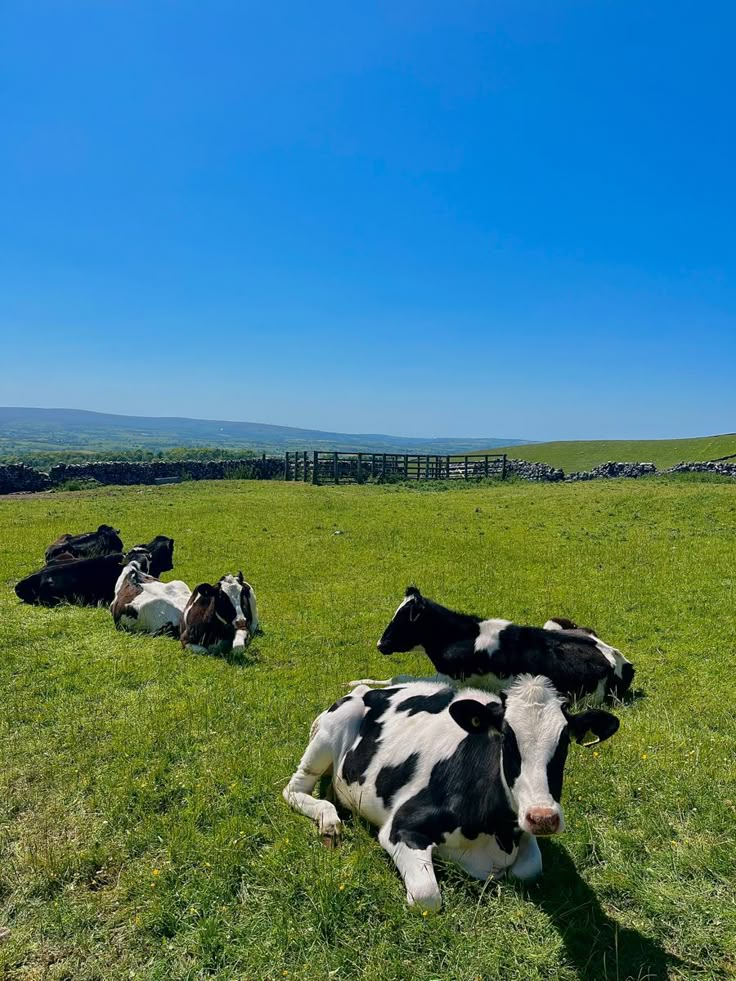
(87, 582)
(467, 774)
(155, 557)
(220, 618)
(490, 653)
(145, 604)
(90, 544)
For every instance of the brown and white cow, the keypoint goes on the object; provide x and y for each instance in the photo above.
(220, 618)
(146, 605)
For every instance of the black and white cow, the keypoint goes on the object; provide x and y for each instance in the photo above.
(145, 604)
(220, 618)
(156, 557)
(470, 775)
(491, 653)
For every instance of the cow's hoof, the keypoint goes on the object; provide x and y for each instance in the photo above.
(331, 840)
(428, 902)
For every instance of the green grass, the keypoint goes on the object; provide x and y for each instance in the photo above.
(142, 829)
(583, 454)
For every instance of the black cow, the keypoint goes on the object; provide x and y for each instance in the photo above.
(90, 544)
(86, 582)
(491, 653)
(154, 558)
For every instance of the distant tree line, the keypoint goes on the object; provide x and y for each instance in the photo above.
(43, 459)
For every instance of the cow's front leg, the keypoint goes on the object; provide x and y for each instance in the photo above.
(317, 760)
(528, 863)
(416, 869)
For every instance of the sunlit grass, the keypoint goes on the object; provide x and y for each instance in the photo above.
(141, 824)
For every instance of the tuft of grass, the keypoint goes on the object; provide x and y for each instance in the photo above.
(142, 829)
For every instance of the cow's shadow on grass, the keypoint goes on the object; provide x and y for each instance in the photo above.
(595, 944)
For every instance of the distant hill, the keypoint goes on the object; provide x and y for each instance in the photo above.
(24, 431)
(583, 454)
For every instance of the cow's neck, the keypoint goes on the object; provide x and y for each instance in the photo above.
(442, 627)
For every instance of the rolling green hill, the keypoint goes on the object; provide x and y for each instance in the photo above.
(583, 454)
(33, 431)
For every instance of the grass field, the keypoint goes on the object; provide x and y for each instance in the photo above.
(584, 454)
(141, 824)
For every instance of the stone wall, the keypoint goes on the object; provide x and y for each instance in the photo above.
(122, 472)
(724, 469)
(15, 477)
(534, 471)
(18, 477)
(609, 470)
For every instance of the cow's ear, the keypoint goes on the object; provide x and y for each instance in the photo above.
(412, 591)
(475, 717)
(205, 589)
(599, 724)
(416, 607)
(240, 576)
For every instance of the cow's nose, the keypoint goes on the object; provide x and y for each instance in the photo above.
(543, 820)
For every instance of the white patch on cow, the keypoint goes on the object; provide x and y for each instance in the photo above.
(534, 712)
(159, 606)
(487, 639)
(244, 607)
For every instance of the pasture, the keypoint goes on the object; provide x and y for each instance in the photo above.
(142, 828)
(574, 455)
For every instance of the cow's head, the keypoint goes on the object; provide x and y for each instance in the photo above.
(245, 615)
(535, 726)
(141, 556)
(404, 632)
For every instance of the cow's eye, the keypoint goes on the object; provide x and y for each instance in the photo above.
(475, 722)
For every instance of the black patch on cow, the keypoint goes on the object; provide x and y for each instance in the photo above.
(464, 791)
(341, 701)
(572, 662)
(511, 756)
(434, 704)
(619, 686)
(391, 779)
(556, 765)
(358, 759)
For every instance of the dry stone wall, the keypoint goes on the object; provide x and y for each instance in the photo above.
(17, 478)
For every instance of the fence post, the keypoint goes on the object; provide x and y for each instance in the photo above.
(315, 466)
(287, 475)
(359, 473)
(503, 468)
(466, 468)
(383, 467)
(373, 466)
(336, 466)
(306, 467)
(486, 465)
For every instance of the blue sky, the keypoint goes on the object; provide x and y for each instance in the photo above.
(479, 219)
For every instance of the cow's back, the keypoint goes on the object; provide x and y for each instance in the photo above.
(402, 734)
